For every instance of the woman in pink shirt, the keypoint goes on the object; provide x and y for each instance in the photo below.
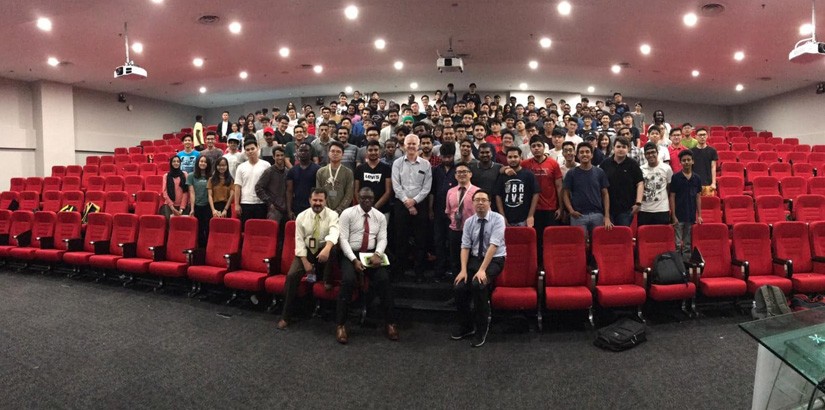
(459, 208)
(175, 192)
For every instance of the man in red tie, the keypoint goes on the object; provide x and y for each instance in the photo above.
(363, 239)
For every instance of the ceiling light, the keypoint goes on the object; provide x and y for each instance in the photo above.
(243, 75)
(645, 49)
(137, 47)
(44, 24)
(399, 65)
(533, 64)
(545, 42)
(806, 29)
(348, 90)
(284, 51)
(235, 27)
(695, 73)
(739, 55)
(318, 69)
(380, 44)
(53, 61)
(198, 62)
(740, 87)
(202, 90)
(351, 12)
(157, 1)
(616, 69)
(690, 19)
(522, 86)
(591, 89)
(564, 8)
(414, 85)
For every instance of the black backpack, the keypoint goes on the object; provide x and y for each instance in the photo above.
(769, 301)
(622, 335)
(669, 269)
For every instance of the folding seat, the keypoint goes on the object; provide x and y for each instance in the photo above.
(784, 149)
(796, 157)
(765, 186)
(817, 159)
(791, 141)
(754, 141)
(717, 140)
(163, 167)
(771, 209)
(711, 209)
(752, 253)
(792, 248)
(816, 185)
(721, 146)
(159, 143)
(74, 171)
(146, 143)
(19, 233)
(733, 169)
(739, 146)
(258, 258)
(58, 171)
(754, 170)
(717, 128)
(132, 184)
(121, 150)
(34, 184)
(70, 183)
(176, 141)
(773, 140)
(107, 159)
(137, 256)
(168, 149)
(221, 146)
(737, 139)
(66, 228)
(108, 169)
(275, 283)
(173, 259)
(95, 197)
(148, 169)
(138, 149)
(731, 128)
(768, 157)
(51, 184)
(780, 170)
(6, 198)
(816, 230)
(42, 226)
(809, 208)
(765, 134)
(17, 184)
(747, 157)
(791, 187)
(124, 231)
(818, 148)
(178, 147)
(29, 201)
(729, 185)
(146, 203)
(129, 169)
(617, 282)
(113, 183)
(116, 202)
(153, 183)
(211, 128)
(727, 156)
(517, 287)
(73, 198)
(765, 147)
(150, 150)
(138, 158)
(221, 253)
(161, 158)
(738, 209)
(746, 128)
(89, 171)
(567, 282)
(715, 277)
(5, 224)
(749, 133)
(802, 148)
(92, 160)
(186, 130)
(51, 201)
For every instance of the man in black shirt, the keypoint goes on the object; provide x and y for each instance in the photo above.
(443, 181)
(375, 175)
(281, 136)
(626, 183)
(485, 173)
(518, 192)
(704, 161)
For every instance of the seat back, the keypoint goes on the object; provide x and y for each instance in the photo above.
(106, 170)
(21, 221)
(95, 183)
(70, 183)
(51, 184)
(183, 235)
(66, 226)
(58, 171)
(73, 198)
(288, 251)
(797, 157)
(765, 186)
(96, 197)
(747, 157)
(733, 169)
(764, 147)
(92, 160)
(713, 242)
(791, 141)
(6, 198)
(51, 201)
(148, 169)
(780, 170)
(153, 183)
(816, 185)
(121, 151)
(792, 241)
(809, 208)
(817, 232)
(34, 184)
(768, 156)
(132, 184)
(89, 172)
(139, 148)
(791, 187)
(521, 272)
(260, 240)
(124, 230)
(138, 158)
(5, 221)
(74, 171)
(29, 200)
(565, 260)
(129, 169)
(42, 226)
(803, 169)
(730, 185)
(113, 183)
(151, 232)
(727, 156)
(756, 169)
(146, 203)
(711, 209)
(653, 240)
(752, 243)
(770, 209)
(613, 252)
(224, 238)
(739, 208)
(116, 202)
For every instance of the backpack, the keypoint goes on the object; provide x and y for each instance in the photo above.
(769, 301)
(90, 208)
(622, 335)
(68, 208)
(13, 205)
(668, 269)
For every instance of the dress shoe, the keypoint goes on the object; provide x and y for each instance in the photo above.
(341, 334)
(282, 324)
(392, 332)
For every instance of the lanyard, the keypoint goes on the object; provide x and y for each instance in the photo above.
(333, 178)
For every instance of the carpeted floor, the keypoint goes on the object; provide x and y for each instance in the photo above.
(73, 344)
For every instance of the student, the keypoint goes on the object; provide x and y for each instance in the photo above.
(300, 180)
(211, 151)
(234, 156)
(198, 182)
(704, 160)
(197, 131)
(585, 193)
(685, 188)
(626, 181)
(549, 179)
(518, 192)
(175, 193)
(656, 208)
(247, 204)
(220, 190)
(188, 157)
(336, 179)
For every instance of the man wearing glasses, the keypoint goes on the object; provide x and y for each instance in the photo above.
(626, 183)
(656, 208)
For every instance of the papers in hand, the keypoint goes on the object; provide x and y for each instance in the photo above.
(365, 259)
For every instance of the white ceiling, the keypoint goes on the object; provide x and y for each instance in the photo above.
(500, 36)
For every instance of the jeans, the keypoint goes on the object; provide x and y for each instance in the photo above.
(684, 244)
(203, 213)
(588, 222)
(621, 218)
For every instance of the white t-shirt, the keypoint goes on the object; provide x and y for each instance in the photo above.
(247, 175)
(575, 138)
(656, 181)
(234, 160)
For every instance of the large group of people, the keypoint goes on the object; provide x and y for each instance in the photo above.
(433, 186)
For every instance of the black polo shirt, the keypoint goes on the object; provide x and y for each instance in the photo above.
(623, 178)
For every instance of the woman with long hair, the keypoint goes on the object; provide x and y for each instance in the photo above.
(250, 127)
(603, 144)
(198, 182)
(175, 193)
(220, 189)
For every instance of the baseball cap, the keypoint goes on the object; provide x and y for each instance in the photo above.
(269, 130)
(234, 136)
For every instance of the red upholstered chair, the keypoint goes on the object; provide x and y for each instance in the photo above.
(138, 158)
(275, 283)
(163, 167)
(108, 170)
(617, 282)
(817, 159)
(73, 198)
(711, 209)
(715, 277)
(116, 202)
(92, 160)
(791, 141)
(70, 183)
(721, 146)
(29, 201)
(5, 225)
(139, 148)
(34, 184)
(113, 183)
(737, 139)
(733, 169)
(122, 159)
(148, 169)
(146, 143)
(517, 287)
(139, 255)
(98, 233)
(809, 208)
(771, 209)
(19, 233)
(727, 156)
(162, 157)
(129, 169)
(124, 231)
(796, 157)
(258, 257)
(816, 185)
(90, 172)
(653, 240)
(107, 159)
(765, 186)
(752, 253)
(153, 183)
(802, 148)
(754, 170)
(738, 209)
(765, 147)
(74, 171)
(716, 139)
(815, 229)
(150, 151)
(765, 134)
(738, 146)
(165, 149)
(58, 171)
(803, 169)
(159, 143)
(95, 183)
(221, 254)
(172, 260)
(146, 203)
(95, 197)
(66, 228)
(42, 227)
(769, 157)
(780, 170)
(730, 185)
(818, 148)
(792, 247)
(748, 157)
(132, 184)
(791, 187)
(567, 281)
(51, 184)
(6, 198)
(51, 201)
(121, 150)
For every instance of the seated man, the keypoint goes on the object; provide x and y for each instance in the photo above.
(363, 229)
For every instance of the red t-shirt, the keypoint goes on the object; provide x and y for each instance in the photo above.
(547, 173)
(495, 140)
(674, 151)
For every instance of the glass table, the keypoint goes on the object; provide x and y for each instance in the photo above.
(790, 364)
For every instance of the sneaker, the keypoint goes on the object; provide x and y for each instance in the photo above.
(480, 337)
(462, 332)
(311, 278)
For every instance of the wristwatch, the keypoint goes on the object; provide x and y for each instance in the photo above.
(638, 204)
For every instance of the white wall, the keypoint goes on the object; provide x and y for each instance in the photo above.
(17, 145)
(212, 116)
(797, 113)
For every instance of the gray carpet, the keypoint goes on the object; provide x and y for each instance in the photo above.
(72, 344)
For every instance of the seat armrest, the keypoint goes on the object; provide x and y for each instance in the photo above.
(101, 247)
(271, 263)
(233, 260)
(74, 244)
(129, 249)
(820, 259)
(744, 266)
(158, 253)
(4, 239)
(540, 279)
(24, 238)
(195, 256)
(787, 263)
(594, 279)
(46, 242)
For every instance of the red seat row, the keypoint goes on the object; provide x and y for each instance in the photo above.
(768, 209)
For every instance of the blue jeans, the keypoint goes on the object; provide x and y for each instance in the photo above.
(622, 218)
(588, 222)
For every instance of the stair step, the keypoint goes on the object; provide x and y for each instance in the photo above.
(426, 305)
(423, 291)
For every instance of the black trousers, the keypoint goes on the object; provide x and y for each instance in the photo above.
(541, 220)
(441, 227)
(478, 293)
(203, 213)
(653, 218)
(454, 239)
(220, 206)
(407, 225)
(296, 272)
(252, 211)
(379, 280)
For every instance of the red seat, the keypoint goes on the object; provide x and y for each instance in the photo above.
(19, 233)
(816, 185)
(70, 183)
(106, 170)
(796, 157)
(721, 146)
(809, 208)
(6, 198)
(95, 183)
(113, 183)
(729, 185)
(711, 209)
(727, 156)
(765, 186)
(617, 282)
(58, 171)
(121, 159)
(138, 256)
(746, 129)
(17, 184)
(752, 244)
(802, 169)
(159, 143)
(791, 187)
(34, 184)
(765, 147)
(74, 171)
(89, 172)
(771, 209)
(168, 149)
(567, 282)
(138, 158)
(733, 169)
(161, 158)
(780, 170)
(791, 244)
(818, 148)
(715, 277)
(653, 240)
(783, 150)
(163, 167)
(748, 157)
(148, 169)
(131, 185)
(517, 286)
(73, 198)
(51, 184)
(153, 183)
(51, 201)
(768, 157)
(738, 208)
(816, 230)
(116, 202)
(92, 160)
(258, 259)
(129, 169)
(739, 139)
(716, 139)
(66, 228)
(42, 226)
(146, 203)
(29, 201)
(121, 150)
(124, 230)
(739, 146)
(150, 151)
(172, 260)
(139, 148)
(275, 283)
(755, 169)
(791, 141)
(95, 197)
(223, 241)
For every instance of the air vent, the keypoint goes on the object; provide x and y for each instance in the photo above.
(209, 19)
(712, 9)
(765, 78)
(176, 83)
(305, 66)
(65, 63)
(624, 65)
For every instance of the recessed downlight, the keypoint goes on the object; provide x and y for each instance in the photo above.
(399, 65)
(564, 8)
(235, 27)
(740, 87)
(351, 12)
(695, 73)
(522, 86)
(413, 85)
(54, 62)
(690, 19)
(197, 62)
(545, 42)
(348, 89)
(591, 89)
(244, 75)
(318, 69)
(44, 24)
(284, 52)
(202, 90)
(616, 69)
(645, 49)
(806, 29)
(533, 64)
(137, 47)
(739, 55)
(380, 44)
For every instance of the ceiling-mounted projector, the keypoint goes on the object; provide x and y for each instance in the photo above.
(450, 64)
(807, 52)
(129, 70)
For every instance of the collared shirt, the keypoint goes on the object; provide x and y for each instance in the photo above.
(443, 180)
(351, 228)
(305, 224)
(466, 206)
(412, 179)
(493, 234)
